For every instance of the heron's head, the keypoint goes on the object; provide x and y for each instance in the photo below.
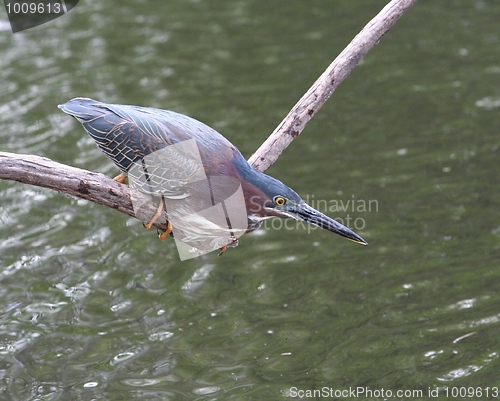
(268, 197)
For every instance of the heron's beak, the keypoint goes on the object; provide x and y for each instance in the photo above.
(304, 212)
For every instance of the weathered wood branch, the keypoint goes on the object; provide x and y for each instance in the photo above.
(296, 120)
(98, 188)
(84, 184)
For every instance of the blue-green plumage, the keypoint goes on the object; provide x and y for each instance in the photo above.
(130, 134)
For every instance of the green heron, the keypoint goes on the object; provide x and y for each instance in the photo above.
(128, 135)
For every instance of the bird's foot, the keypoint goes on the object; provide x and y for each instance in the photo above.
(157, 214)
(121, 178)
(232, 244)
(166, 233)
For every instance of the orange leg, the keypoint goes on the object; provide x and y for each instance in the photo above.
(121, 178)
(167, 231)
(158, 213)
(230, 245)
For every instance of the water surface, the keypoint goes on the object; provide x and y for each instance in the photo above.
(94, 307)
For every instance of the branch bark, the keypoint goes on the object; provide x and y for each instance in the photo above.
(98, 188)
(84, 184)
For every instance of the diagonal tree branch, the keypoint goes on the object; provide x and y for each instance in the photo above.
(98, 188)
(296, 120)
(84, 184)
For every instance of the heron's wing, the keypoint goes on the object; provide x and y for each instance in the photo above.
(125, 140)
(159, 149)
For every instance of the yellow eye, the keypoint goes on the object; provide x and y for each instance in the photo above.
(279, 200)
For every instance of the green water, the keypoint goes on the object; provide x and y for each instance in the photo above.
(94, 307)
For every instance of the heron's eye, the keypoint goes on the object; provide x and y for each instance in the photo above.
(279, 200)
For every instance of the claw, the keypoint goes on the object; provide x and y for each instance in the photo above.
(166, 233)
(222, 250)
(233, 244)
(121, 178)
(158, 213)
